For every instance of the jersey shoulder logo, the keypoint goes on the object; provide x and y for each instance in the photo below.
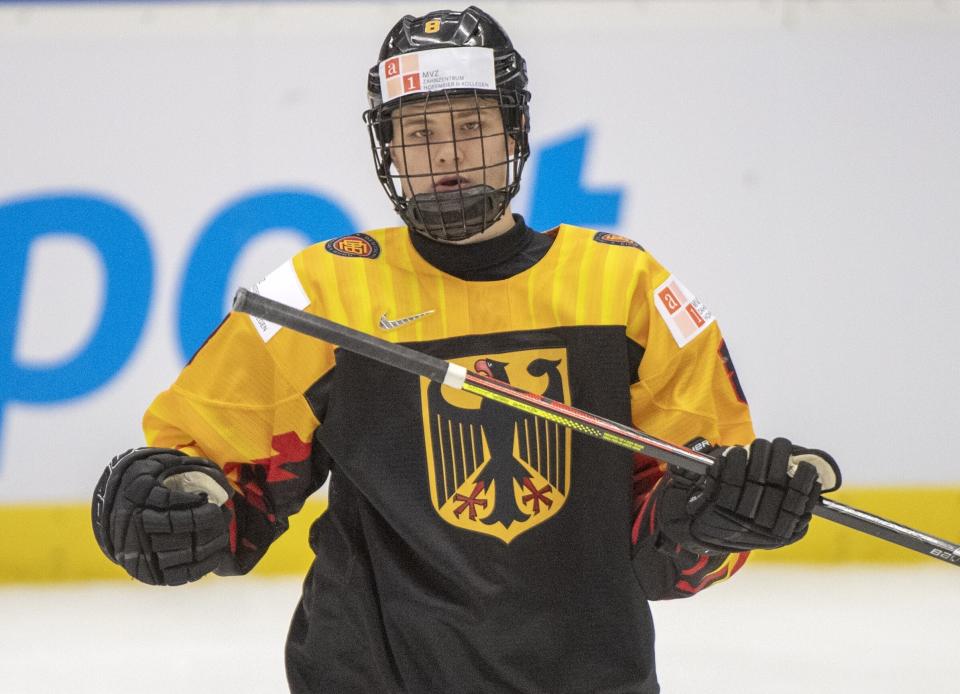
(684, 314)
(387, 324)
(615, 240)
(354, 246)
(493, 469)
(283, 285)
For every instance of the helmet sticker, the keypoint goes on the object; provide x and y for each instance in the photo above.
(437, 70)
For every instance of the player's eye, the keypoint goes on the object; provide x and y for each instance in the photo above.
(471, 125)
(416, 129)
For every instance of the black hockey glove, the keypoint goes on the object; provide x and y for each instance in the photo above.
(756, 498)
(158, 513)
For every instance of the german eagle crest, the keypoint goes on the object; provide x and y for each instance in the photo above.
(494, 469)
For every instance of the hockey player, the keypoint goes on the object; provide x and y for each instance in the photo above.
(466, 547)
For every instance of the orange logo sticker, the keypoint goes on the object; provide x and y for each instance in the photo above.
(669, 299)
(392, 67)
(411, 83)
(695, 315)
(685, 316)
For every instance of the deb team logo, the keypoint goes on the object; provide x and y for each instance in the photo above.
(354, 246)
(493, 469)
(615, 240)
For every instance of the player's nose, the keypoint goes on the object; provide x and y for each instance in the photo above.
(448, 151)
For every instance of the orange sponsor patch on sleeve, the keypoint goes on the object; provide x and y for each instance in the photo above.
(685, 316)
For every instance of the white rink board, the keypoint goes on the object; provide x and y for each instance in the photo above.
(766, 631)
(795, 164)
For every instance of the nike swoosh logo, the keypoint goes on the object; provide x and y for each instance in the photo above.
(387, 324)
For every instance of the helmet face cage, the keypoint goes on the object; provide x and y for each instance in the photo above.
(419, 142)
(455, 178)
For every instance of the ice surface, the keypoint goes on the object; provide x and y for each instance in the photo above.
(768, 631)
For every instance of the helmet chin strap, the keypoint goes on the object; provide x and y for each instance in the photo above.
(455, 215)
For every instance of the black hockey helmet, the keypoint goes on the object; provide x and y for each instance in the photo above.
(394, 88)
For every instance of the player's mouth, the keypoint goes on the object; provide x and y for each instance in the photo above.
(448, 183)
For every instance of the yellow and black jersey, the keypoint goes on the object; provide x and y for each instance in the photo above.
(467, 546)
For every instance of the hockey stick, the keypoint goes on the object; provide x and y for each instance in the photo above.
(458, 377)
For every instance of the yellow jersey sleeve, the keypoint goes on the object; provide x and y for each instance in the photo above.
(685, 387)
(234, 404)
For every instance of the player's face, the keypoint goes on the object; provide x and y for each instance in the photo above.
(440, 145)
